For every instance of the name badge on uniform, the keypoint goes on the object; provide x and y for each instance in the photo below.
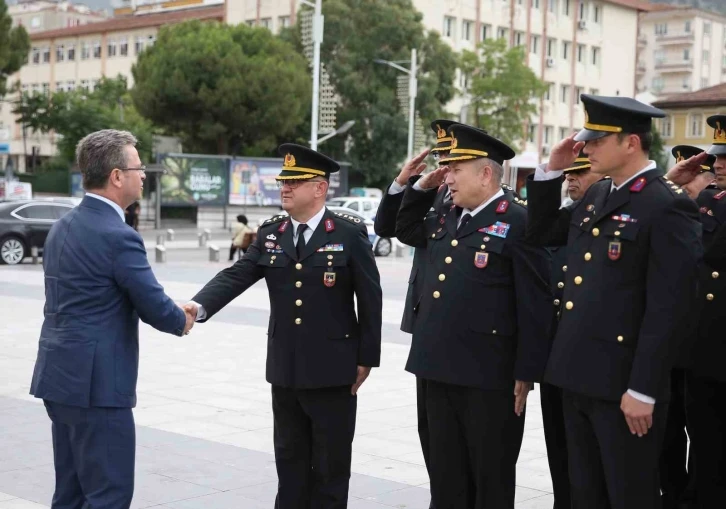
(615, 249)
(481, 259)
(329, 279)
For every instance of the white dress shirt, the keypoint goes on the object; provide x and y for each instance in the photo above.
(312, 223)
(541, 174)
(113, 204)
(480, 207)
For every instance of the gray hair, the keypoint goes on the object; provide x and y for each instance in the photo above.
(497, 170)
(99, 153)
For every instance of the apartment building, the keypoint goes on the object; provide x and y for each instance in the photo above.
(40, 15)
(686, 114)
(681, 50)
(78, 57)
(575, 46)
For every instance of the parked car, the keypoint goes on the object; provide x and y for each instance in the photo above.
(25, 225)
(381, 246)
(363, 206)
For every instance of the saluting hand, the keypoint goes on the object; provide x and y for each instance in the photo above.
(564, 153)
(685, 171)
(363, 373)
(521, 390)
(413, 167)
(434, 179)
(638, 415)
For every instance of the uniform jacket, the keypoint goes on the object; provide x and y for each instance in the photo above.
(314, 338)
(632, 266)
(98, 283)
(485, 312)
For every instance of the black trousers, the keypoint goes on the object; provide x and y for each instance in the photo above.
(475, 438)
(610, 468)
(313, 435)
(94, 453)
(675, 478)
(556, 441)
(706, 412)
(423, 424)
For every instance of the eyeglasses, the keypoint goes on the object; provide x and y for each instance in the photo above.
(140, 168)
(294, 184)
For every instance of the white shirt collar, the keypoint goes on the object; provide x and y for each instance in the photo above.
(651, 166)
(312, 223)
(115, 205)
(483, 205)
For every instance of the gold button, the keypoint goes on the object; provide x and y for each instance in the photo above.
(560, 285)
(620, 339)
(298, 321)
(330, 264)
(273, 257)
(494, 332)
(442, 277)
(617, 233)
(586, 220)
(330, 257)
(347, 335)
(437, 295)
(714, 275)
(709, 296)
(569, 305)
(298, 266)
(588, 257)
(447, 259)
(454, 242)
(298, 284)
(433, 235)
(298, 303)
(483, 246)
(595, 232)
(564, 268)
(272, 262)
(557, 302)
(578, 280)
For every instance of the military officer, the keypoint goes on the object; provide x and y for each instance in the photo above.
(319, 351)
(482, 324)
(705, 173)
(633, 249)
(706, 379)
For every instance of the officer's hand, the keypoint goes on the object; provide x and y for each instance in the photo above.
(564, 153)
(363, 373)
(521, 390)
(434, 179)
(190, 312)
(638, 415)
(685, 171)
(412, 167)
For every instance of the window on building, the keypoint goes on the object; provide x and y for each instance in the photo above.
(24, 88)
(535, 4)
(704, 82)
(463, 81)
(251, 22)
(96, 49)
(70, 85)
(687, 27)
(35, 22)
(686, 83)
(535, 44)
(595, 56)
(547, 138)
(695, 125)
(657, 84)
(565, 94)
(661, 28)
(46, 88)
(486, 32)
(531, 132)
(706, 28)
(123, 46)
(552, 6)
(519, 38)
(503, 33)
(581, 53)
(564, 132)
(724, 62)
(665, 126)
(578, 91)
(46, 55)
(566, 50)
(449, 23)
(151, 40)
(94, 84)
(85, 51)
(139, 46)
(60, 53)
(583, 11)
(596, 13)
(71, 52)
(686, 54)
(111, 48)
(35, 55)
(84, 85)
(566, 7)
(659, 56)
(467, 30)
(549, 92)
(59, 87)
(266, 23)
(551, 47)
(283, 21)
(706, 56)
(594, 91)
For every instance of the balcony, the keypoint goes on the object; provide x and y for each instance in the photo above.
(674, 66)
(672, 90)
(675, 39)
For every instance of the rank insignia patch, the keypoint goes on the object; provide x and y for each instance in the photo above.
(481, 259)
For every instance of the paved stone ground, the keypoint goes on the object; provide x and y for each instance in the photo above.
(204, 419)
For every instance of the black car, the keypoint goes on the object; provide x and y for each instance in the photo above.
(25, 224)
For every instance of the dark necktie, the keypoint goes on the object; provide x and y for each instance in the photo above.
(300, 239)
(464, 219)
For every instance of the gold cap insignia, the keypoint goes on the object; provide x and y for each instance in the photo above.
(454, 142)
(289, 160)
(587, 117)
(718, 133)
(440, 133)
(679, 157)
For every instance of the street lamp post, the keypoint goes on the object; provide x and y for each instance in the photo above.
(340, 130)
(412, 91)
(317, 40)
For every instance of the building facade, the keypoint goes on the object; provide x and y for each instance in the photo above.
(41, 15)
(681, 50)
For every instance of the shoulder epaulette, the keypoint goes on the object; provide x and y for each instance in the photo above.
(274, 219)
(350, 218)
(673, 186)
(518, 201)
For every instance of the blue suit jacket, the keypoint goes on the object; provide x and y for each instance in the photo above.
(98, 283)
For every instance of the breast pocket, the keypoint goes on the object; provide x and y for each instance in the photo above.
(332, 260)
(621, 240)
(485, 260)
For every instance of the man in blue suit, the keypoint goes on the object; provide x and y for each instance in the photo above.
(98, 284)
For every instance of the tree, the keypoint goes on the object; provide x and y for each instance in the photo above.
(657, 153)
(73, 115)
(503, 91)
(14, 47)
(222, 89)
(357, 32)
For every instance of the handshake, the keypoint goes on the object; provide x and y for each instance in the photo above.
(190, 311)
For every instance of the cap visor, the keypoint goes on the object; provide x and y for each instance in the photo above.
(717, 150)
(587, 135)
(579, 167)
(457, 158)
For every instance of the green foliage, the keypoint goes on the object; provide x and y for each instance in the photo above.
(657, 152)
(73, 115)
(357, 32)
(49, 181)
(223, 89)
(14, 47)
(503, 91)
